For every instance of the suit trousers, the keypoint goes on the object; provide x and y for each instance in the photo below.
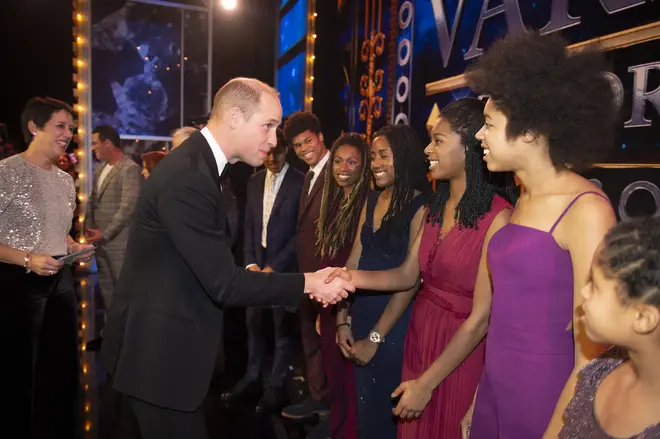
(39, 335)
(109, 260)
(307, 313)
(161, 423)
(257, 344)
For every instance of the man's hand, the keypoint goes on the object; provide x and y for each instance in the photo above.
(254, 267)
(76, 247)
(268, 269)
(363, 351)
(341, 273)
(345, 340)
(93, 235)
(326, 293)
(415, 396)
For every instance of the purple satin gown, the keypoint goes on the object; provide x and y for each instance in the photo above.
(529, 348)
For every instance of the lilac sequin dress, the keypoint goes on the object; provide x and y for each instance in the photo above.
(581, 421)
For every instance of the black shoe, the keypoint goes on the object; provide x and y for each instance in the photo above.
(94, 345)
(307, 409)
(244, 389)
(321, 431)
(272, 401)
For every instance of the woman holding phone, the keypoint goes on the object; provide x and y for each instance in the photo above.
(38, 310)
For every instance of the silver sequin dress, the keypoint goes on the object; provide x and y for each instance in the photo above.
(581, 421)
(36, 207)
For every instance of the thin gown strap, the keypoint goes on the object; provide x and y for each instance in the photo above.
(577, 197)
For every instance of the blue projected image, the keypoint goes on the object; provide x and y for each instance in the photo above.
(291, 84)
(293, 26)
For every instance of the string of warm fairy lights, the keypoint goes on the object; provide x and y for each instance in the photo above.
(81, 90)
(310, 55)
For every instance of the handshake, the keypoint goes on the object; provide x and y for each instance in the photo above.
(328, 286)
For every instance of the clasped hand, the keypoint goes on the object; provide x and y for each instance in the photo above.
(325, 289)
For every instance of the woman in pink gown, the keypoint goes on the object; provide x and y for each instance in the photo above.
(443, 353)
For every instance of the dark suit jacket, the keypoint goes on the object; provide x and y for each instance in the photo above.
(163, 328)
(282, 225)
(310, 208)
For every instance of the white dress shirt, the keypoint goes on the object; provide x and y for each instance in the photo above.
(272, 185)
(220, 158)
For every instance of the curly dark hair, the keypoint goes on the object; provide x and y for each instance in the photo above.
(631, 255)
(543, 90)
(409, 173)
(299, 122)
(331, 236)
(466, 117)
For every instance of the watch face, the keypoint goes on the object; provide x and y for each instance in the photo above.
(374, 337)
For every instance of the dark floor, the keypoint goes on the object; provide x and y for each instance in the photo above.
(223, 422)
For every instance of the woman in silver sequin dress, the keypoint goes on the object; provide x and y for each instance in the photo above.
(618, 394)
(38, 311)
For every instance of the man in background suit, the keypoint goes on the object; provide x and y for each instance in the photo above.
(271, 218)
(115, 191)
(303, 131)
(162, 333)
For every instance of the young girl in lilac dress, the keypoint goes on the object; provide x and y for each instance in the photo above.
(548, 113)
(618, 394)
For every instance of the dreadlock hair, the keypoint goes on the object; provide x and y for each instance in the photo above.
(466, 117)
(332, 235)
(631, 256)
(409, 172)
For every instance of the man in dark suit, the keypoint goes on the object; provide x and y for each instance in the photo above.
(303, 131)
(163, 327)
(271, 218)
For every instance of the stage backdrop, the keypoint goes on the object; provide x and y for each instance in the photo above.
(434, 41)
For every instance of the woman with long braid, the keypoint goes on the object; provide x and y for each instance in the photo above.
(388, 226)
(443, 350)
(344, 192)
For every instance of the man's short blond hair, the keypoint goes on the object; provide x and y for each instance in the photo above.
(243, 93)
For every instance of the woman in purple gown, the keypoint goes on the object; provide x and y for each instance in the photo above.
(547, 114)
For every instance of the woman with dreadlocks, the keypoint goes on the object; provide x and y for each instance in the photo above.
(344, 192)
(443, 351)
(389, 223)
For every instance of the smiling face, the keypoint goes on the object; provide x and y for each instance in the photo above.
(256, 135)
(446, 152)
(347, 166)
(309, 147)
(382, 162)
(500, 152)
(276, 159)
(55, 135)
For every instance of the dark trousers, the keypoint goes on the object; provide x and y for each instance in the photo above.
(40, 366)
(257, 344)
(311, 342)
(161, 423)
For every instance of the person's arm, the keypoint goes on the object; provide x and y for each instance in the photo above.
(364, 349)
(417, 393)
(584, 227)
(188, 208)
(130, 192)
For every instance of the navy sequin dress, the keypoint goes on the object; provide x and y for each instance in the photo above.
(375, 382)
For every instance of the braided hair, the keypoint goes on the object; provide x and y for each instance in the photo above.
(466, 117)
(409, 173)
(631, 255)
(331, 235)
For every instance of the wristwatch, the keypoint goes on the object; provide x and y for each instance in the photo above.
(375, 337)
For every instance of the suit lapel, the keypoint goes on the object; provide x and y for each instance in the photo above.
(318, 184)
(259, 200)
(283, 191)
(110, 175)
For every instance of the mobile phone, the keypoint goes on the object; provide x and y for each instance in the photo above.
(71, 257)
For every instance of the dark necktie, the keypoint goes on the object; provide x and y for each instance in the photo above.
(305, 190)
